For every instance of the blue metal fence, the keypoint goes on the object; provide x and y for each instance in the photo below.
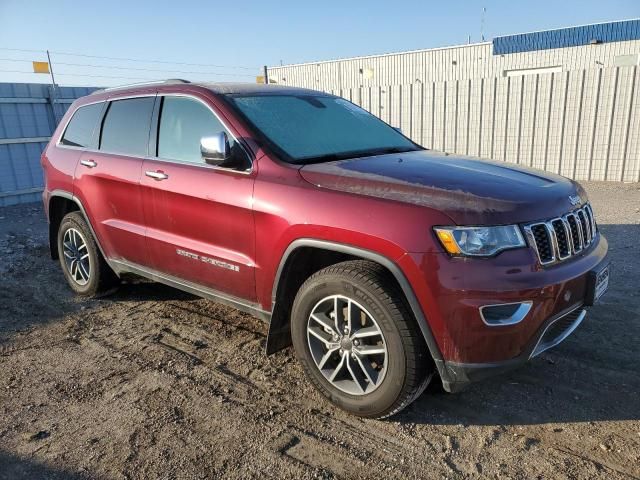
(29, 113)
(568, 37)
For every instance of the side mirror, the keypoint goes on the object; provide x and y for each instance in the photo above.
(215, 149)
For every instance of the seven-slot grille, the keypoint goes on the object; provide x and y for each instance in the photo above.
(560, 238)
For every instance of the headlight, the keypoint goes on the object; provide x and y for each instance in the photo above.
(479, 241)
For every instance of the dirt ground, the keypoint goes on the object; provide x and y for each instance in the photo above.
(154, 383)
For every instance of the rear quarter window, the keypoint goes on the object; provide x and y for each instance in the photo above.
(79, 131)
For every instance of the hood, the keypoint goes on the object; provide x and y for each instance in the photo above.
(469, 191)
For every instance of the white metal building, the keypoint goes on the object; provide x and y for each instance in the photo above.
(562, 100)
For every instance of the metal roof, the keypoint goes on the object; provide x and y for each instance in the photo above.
(623, 30)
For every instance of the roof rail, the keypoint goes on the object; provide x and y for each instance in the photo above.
(142, 84)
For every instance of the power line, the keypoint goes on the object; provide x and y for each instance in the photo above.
(131, 59)
(115, 67)
(85, 75)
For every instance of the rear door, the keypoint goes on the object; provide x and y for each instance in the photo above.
(199, 217)
(108, 179)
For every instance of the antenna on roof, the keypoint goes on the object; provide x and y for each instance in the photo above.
(484, 11)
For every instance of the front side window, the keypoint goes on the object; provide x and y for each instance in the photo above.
(126, 126)
(183, 122)
(310, 128)
(79, 132)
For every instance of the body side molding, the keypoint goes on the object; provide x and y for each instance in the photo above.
(121, 266)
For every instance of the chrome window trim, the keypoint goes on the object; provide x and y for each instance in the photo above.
(66, 125)
(203, 164)
(160, 159)
(109, 99)
(517, 317)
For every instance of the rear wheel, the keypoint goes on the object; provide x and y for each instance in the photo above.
(82, 263)
(357, 340)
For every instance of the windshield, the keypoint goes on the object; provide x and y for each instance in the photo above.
(320, 128)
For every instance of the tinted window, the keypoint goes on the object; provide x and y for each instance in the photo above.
(79, 132)
(126, 126)
(183, 122)
(316, 128)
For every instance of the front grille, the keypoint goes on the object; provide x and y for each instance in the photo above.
(576, 232)
(543, 242)
(559, 239)
(562, 237)
(559, 330)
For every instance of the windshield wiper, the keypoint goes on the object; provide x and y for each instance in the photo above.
(383, 151)
(332, 157)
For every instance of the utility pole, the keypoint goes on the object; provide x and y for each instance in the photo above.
(53, 89)
(266, 76)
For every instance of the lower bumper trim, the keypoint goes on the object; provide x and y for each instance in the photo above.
(460, 375)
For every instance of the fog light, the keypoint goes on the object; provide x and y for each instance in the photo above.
(504, 313)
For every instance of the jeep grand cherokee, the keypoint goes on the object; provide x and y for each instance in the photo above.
(384, 264)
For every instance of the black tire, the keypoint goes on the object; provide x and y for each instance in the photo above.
(409, 366)
(101, 279)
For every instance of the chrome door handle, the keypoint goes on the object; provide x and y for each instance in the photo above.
(156, 175)
(89, 163)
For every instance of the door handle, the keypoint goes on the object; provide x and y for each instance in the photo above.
(89, 163)
(156, 175)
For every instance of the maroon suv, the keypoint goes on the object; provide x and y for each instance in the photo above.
(382, 262)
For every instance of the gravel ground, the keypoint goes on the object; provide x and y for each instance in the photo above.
(154, 383)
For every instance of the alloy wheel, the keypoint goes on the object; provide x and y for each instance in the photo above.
(347, 345)
(76, 256)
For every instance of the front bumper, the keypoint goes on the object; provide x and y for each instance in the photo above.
(452, 292)
(459, 376)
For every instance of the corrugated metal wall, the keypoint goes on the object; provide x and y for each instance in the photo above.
(582, 122)
(28, 117)
(452, 63)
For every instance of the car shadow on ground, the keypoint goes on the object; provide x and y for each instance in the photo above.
(13, 467)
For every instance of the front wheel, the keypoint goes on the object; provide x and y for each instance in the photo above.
(357, 340)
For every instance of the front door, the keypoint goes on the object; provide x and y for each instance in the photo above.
(108, 179)
(199, 217)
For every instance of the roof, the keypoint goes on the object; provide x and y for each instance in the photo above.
(226, 88)
(256, 88)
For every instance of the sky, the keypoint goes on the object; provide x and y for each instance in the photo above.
(230, 41)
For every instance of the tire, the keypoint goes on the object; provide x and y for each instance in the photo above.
(87, 273)
(396, 377)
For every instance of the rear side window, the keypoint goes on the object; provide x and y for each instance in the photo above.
(79, 132)
(183, 122)
(126, 126)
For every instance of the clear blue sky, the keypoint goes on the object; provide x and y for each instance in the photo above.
(254, 33)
